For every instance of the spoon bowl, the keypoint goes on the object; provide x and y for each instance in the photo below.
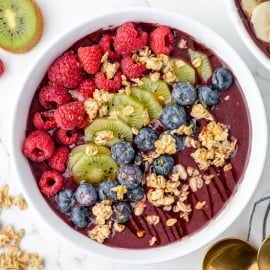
(264, 255)
(231, 254)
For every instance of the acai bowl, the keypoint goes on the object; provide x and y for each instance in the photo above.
(162, 162)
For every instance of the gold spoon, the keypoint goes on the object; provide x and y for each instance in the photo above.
(231, 254)
(264, 255)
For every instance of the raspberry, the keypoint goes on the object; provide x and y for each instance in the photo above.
(130, 69)
(53, 96)
(161, 40)
(86, 88)
(2, 68)
(129, 39)
(66, 71)
(71, 115)
(38, 146)
(58, 159)
(90, 58)
(51, 182)
(106, 44)
(44, 120)
(111, 85)
(67, 137)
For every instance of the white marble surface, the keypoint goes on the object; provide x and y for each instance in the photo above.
(59, 16)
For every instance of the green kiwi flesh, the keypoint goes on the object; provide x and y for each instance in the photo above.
(94, 169)
(183, 71)
(119, 102)
(21, 25)
(121, 131)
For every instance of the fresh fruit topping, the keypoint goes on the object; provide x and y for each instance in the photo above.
(173, 116)
(159, 88)
(208, 96)
(51, 182)
(67, 137)
(138, 160)
(112, 85)
(53, 96)
(249, 5)
(106, 132)
(2, 68)
(71, 115)
(86, 194)
(128, 109)
(86, 88)
(202, 64)
(122, 152)
(58, 159)
(106, 44)
(162, 165)
(184, 94)
(65, 200)
(121, 212)
(148, 100)
(161, 40)
(179, 141)
(129, 175)
(130, 69)
(128, 39)
(38, 146)
(21, 25)
(79, 216)
(90, 58)
(222, 78)
(136, 194)
(145, 139)
(183, 71)
(105, 190)
(44, 120)
(93, 169)
(66, 71)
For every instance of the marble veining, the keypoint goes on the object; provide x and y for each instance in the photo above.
(59, 16)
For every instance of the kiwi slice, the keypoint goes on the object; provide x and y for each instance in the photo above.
(94, 169)
(120, 130)
(149, 101)
(122, 104)
(183, 71)
(202, 64)
(160, 89)
(88, 149)
(21, 25)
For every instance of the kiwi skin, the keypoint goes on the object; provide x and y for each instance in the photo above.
(35, 38)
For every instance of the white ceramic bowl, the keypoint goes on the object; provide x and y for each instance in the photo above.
(244, 35)
(237, 202)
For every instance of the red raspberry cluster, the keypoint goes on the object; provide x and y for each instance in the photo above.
(72, 78)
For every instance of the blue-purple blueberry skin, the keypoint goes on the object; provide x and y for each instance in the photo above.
(86, 194)
(122, 212)
(122, 152)
(80, 216)
(162, 165)
(129, 175)
(65, 200)
(184, 94)
(222, 79)
(145, 139)
(105, 190)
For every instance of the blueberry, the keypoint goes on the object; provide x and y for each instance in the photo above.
(79, 215)
(179, 141)
(121, 212)
(196, 126)
(65, 200)
(145, 139)
(162, 165)
(184, 94)
(122, 152)
(173, 116)
(129, 175)
(105, 192)
(222, 78)
(208, 96)
(136, 194)
(86, 194)
(138, 160)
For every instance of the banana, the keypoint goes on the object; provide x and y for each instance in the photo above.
(260, 20)
(249, 5)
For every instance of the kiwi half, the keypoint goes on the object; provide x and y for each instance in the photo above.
(183, 71)
(21, 25)
(121, 131)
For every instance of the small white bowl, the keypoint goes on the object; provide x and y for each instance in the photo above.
(236, 203)
(245, 36)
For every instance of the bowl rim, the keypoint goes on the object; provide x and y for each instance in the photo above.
(244, 35)
(186, 245)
